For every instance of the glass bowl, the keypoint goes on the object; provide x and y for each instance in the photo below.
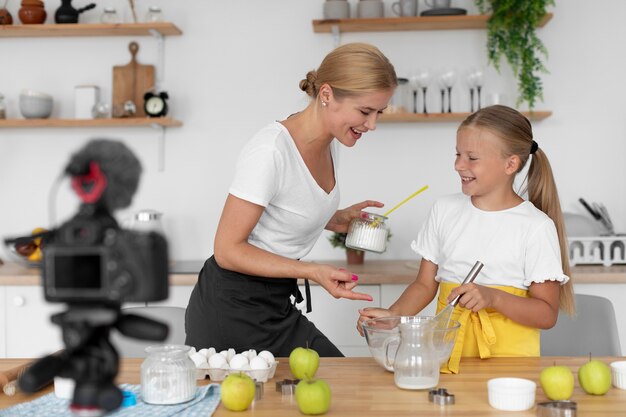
(379, 329)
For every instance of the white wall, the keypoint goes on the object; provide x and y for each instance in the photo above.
(237, 67)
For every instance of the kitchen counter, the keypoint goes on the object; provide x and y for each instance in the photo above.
(371, 272)
(360, 387)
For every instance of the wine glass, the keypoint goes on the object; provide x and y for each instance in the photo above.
(414, 83)
(442, 90)
(422, 79)
(471, 82)
(448, 78)
(479, 78)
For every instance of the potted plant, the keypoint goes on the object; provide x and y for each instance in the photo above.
(511, 32)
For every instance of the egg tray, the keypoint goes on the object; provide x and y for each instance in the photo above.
(597, 250)
(218, 374)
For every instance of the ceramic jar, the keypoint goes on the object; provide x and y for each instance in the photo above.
(5, 17)
(32, 12)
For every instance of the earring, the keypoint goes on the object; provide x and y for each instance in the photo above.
(323, 103)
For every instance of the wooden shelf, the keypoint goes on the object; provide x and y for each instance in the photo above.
(408, 23)
(445, 117)
(89, 29)
(89, 123)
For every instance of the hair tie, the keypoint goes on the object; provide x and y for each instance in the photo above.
(534, 147)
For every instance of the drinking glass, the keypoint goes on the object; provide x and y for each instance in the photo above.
(414, 84)
(422, 78)
(448, 78)
(471, 83)
(479, 78)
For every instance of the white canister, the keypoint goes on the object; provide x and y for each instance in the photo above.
(368, 233)
(336, 9)
(168, 375)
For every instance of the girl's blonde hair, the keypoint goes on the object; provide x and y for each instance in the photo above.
(351, 69)
(516, 133)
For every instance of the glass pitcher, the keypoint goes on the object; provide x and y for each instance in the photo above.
(416, 364)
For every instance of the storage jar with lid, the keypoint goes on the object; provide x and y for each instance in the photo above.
(154, 14)
(109, 15)
(368, 233)
(3, 114)
(168, 375)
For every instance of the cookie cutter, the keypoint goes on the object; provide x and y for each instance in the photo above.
(557, 409)
(287, 386)
(440, 396)
(258, 392)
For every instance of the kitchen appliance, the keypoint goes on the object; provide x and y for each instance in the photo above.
(66, 13)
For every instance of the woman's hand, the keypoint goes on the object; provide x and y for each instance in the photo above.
(341, 219)
(338, 282)
(474, 297)
(371, 313)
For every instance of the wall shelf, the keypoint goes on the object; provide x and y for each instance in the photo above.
(407, 23)
(445, 117)
(89, 123)
(89, 29)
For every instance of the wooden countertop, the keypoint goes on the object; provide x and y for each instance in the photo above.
(371, 272)
(360, 387)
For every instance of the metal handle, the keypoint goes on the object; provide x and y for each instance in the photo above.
(473, 273)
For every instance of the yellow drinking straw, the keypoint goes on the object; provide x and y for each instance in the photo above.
(376, 221)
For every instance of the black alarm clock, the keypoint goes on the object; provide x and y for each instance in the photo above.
(155, 105)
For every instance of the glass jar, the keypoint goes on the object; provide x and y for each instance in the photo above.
(368, 233)
(154, 14)
(3, 111)
(400, 100)
(109, 15)
(168, 375)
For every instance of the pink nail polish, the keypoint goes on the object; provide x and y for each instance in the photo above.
(370, 299)
(342, 269)
(355, 277)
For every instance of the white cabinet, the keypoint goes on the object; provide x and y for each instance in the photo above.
(29, 333)
(336, 318)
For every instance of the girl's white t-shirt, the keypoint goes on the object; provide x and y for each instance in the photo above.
(271, 173)
(517, 246)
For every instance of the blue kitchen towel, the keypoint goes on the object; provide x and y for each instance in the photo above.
(204, 404)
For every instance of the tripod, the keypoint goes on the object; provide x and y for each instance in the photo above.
(89, 357)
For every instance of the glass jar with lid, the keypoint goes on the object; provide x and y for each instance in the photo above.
(368, 232)
(109, 15)
(168, 375)
(154, 14)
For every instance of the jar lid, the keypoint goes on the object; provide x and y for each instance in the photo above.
(374, 216)
(109, 9)
(154, 8)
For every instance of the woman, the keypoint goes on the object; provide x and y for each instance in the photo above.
(283, 196)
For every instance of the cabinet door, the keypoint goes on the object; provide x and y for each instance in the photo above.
(179, 296)
(336, 318)
(29, 332)
(3, 323)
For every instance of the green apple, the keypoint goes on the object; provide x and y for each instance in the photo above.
(313, 396)
(595, 377)
(304, 362)
(557, 382)
(237, 391)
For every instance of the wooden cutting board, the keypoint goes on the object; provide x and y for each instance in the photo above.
(131, 82)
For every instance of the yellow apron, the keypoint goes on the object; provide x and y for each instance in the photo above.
(488, 333)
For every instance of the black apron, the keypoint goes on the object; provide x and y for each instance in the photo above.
(232, 310)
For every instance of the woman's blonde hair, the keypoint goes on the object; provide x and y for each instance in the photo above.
(516, 133)
(351, 69)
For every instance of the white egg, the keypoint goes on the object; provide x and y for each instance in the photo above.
(204, 352)
(224, 353)
(251, 353)
(268, 356)
(191, 351)
(258, 362)
(198, 359)
(238, 362)
(217, 361)
(231, 353)
(246, 354)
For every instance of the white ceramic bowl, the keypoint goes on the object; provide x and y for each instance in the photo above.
(35, 104)
(618, 373)
(511, 394)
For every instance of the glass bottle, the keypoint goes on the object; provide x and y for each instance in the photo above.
(154, 14)
(3, 114)
(368, 233)
(109, 15)
(168, 375)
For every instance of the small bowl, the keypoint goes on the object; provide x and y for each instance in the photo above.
(511, 394)
(380, 329)
(618, 373)
(35, 105)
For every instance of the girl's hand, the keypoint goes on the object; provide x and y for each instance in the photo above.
(338, 282)
(474, 297)
(370, 313)
(341, 219)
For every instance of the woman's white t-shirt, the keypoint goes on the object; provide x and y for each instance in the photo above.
(271, 173)
(517, 246)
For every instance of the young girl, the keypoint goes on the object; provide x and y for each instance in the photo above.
(521, 243)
